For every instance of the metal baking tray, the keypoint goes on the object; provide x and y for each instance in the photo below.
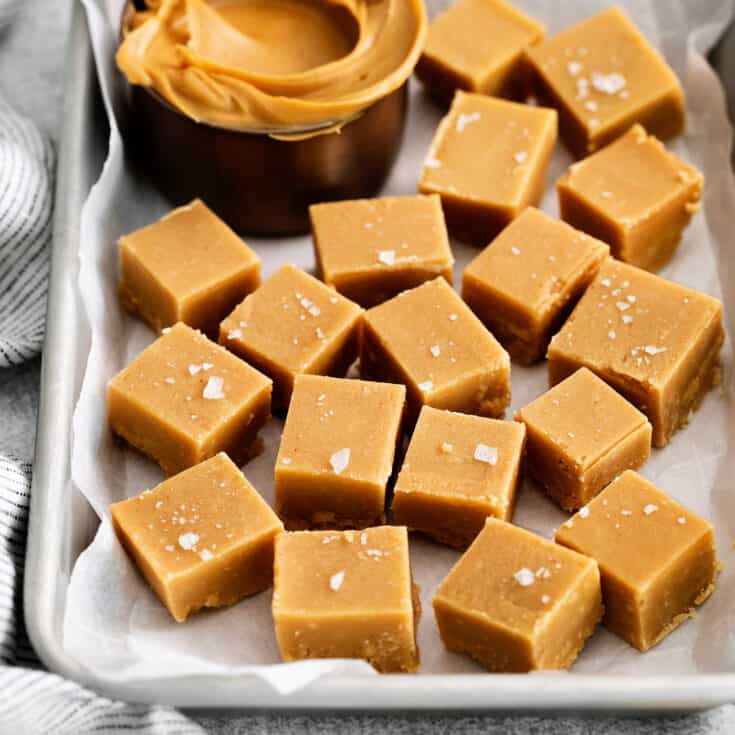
(62, 523)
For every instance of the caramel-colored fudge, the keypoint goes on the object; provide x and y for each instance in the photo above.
(293, 324)
(346, 594)
(656, 342)
(516, 602)
(657, 559)
(603, 76)
(477, 45)
(526, 282)
(458, 470)
(634, 195)
(488, 162)
(581, 436)
(337, 452)
(203, 538)
(372, 249)
(185, 398)
(429, 340)
(188, 267)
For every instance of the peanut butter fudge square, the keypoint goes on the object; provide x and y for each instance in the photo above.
(372, 249)
(293, 324)
(337, 452)
(657, 559)
(488, 162)
(203, 538)
(428, 339)
(347, 594)
(188, 267)
(603, 75)
(581, 436)
(526, 282)
(185, 398)
(656, 342)
(516, 602)
(477, 45)
(633, 194)
(458, 470)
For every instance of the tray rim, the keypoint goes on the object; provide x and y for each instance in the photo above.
(46, 552)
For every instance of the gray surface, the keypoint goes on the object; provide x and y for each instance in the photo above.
(31, 60)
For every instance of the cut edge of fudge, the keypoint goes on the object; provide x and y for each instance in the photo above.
(573, 131)
(506, 77)
(243, 445)
(282, 613)
(496, 632)
(691, 389)
(618, 610)
(631, 240)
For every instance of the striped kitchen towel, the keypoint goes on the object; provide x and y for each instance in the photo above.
(26, 204)
(33, 701)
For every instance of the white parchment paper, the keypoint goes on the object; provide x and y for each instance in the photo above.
(115, 625)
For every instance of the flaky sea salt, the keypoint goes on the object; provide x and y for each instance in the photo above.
(188, 541)
(608, 83)
(465, 119)
(653, 350)
(525, 577)
(584, 512)
(234, 334)
(435, 350)
(574, 67)
(336, 580)
(650, 508)
(339, 460)
(213, 389)
(484, 453)
(520, 157)
(387, 256)
(426, 386)
(206, 555)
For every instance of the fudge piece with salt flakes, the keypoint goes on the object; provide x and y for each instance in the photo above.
(203, 538)
(347, 594)
(188, 267)
(603, 75)
(488, 162)
(458, 470)
(656, 342)
(516, 602)
(478, 45)
(581, 436)
(293, 324)
(337, 451)
(634, 195)
(525, 283)
(185, 398)
(428, 339)
(657, 559)
(395, 243)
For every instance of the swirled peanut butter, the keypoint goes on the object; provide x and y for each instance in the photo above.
(272, 65)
